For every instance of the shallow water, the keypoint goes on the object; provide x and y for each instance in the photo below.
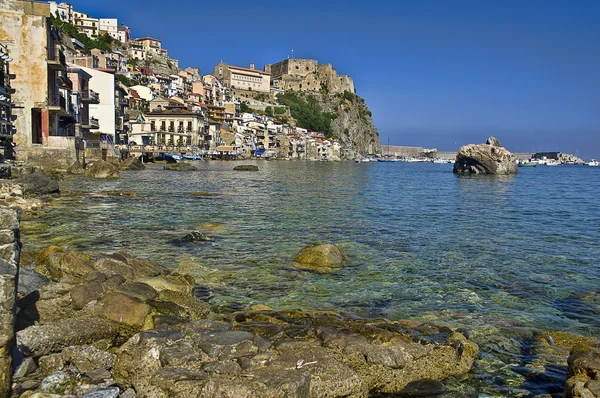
(493, 255)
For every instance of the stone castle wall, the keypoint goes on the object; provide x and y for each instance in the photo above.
(308, 75)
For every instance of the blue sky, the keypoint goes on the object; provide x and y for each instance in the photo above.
(434, 73)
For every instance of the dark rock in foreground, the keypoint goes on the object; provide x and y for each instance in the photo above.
(489, 158)
(583, 372)
(38, 183)
(246, 167)
(180, 167)
(132, 163)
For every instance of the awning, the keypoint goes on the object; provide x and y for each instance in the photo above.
(260, 152)
(224, 148)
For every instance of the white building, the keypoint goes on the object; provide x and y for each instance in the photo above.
(63, 10)
(86, 25)
(144, 92)
(104, 84)
(110, 26)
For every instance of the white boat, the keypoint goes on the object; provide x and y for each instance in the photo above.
(552, 163)
(594, 162)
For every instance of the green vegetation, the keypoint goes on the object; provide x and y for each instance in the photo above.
(269, 111)
(103, 42)
(244, 108)
(125, 80)
(262, 97)
(279, 110)
(308, 112)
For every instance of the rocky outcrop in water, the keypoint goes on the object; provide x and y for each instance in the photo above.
(180, 167)
(583, 372)
(38, 184)
(320, 257)
(246, 167)
(101, 169)
(131, 163)
(489, 158)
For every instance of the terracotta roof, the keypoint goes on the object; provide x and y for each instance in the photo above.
(134, 94)
(249, 70)
(146, 38)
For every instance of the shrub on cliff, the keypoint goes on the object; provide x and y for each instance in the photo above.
(308, 112)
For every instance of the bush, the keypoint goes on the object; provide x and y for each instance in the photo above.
(308, 112)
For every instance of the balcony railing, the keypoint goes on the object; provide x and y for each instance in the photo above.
(57, 102)
(90, 96)
(56, 58)
(94, 123)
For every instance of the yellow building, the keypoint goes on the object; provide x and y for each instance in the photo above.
(236, 77)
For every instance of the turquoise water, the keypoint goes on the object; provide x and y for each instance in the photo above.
(498, 256)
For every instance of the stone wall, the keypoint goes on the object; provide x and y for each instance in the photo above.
(9, 270)
(48, 158)
(308, 75)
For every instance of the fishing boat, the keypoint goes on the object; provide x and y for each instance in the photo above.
(527, 164)
(594, 162)
(192, 157)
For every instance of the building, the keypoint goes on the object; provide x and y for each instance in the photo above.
(89, 61)
(86, 24)
(63, 10)
(103, 83)
(308, 75)
(149, 44)
(173, 127)
(246, 79)
(110, 26)
(6, 103)
(124, 34)
(82, 97)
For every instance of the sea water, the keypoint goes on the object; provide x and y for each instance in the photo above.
(499, 256)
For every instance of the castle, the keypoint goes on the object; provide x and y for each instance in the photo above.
(307, 75)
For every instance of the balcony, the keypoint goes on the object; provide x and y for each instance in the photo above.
(58, 103)
(94, 123)
(6, 129)
(56, 59)
(90, 96)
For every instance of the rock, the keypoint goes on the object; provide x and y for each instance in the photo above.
(129, 393)
(260, 307)
(196, 236)
(194, 308)
(54, 336)
(140, 291)
(30, 281)
(51, 363)
(97, 376)
(130, 268)
(87, 358)
(76, 168)
(132, 163)
(113, 282)
(58, 383)
(180, 167)
(485, 159)
(109, 392)
(422, 388)
(583, 372)
(102, 169)
(169, 282)
(246, 167)
(54, 262)
(27, 367)
(124, 309)
(38, 183)
(203, 194)
(493, 141)
(320, 257)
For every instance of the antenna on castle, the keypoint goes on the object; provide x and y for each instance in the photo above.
(292, 53)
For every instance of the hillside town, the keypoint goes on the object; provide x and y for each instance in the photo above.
(74, 86)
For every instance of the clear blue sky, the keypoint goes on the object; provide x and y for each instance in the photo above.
(435, 73)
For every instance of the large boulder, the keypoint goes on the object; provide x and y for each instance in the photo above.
(131, 163)
(180, 167)
(76, 168)
(583, 372)
(320, 257)
(489, 158)
(102, 169)
(125, 309)
(38, 183)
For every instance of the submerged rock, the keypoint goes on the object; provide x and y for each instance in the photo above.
(180, 167)
(320, 257)
(246, 167)
(196, 236)
(488, 158)
(203, 194)
(38, 183)
(102, 169)
(132, 163)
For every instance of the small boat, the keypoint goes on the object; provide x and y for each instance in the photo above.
(528, 164)
(192, 157)
(552, 163)
(175, 156)
(594, 162)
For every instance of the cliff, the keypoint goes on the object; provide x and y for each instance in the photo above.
(345, 116)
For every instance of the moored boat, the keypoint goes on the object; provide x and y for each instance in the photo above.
(594, 162)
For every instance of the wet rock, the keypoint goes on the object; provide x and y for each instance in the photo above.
(55, 262)
(113, 282)
(203, 194)
(54, 336)
(169, 282)
(85, 293)
(58, 383)
(108, 392)
(130, 268)
(76, 168)
(132, 163)
(87, 358)
(101, 169)
(124, 309)
(193, 307)
(180, 167)
(320, 257)
(485, 159)
(196, 236)
(246, 167)
(38, 183)
(422, 388)
(583, 373)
